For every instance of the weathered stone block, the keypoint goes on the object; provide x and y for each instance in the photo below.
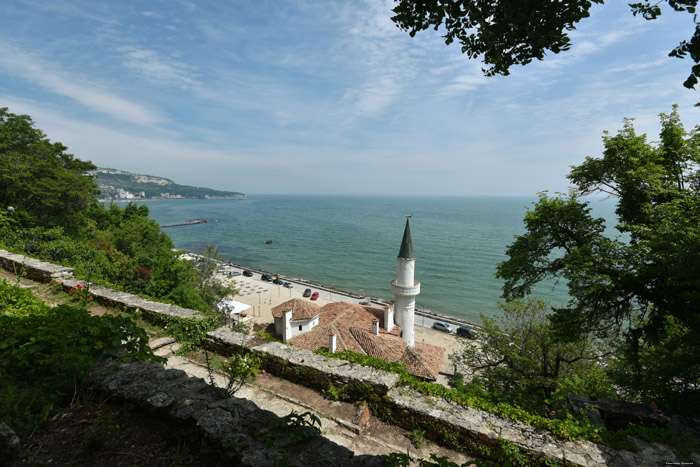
(10, 446)
(229, 427)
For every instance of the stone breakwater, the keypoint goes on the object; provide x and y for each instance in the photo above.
(231, 423)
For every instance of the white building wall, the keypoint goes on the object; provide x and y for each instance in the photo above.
(405, 272)
(389, 318)
(288, 328)
(405, 289)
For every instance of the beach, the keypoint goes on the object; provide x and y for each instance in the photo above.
(264, 296)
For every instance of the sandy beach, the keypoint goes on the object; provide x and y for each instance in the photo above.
(263, 296)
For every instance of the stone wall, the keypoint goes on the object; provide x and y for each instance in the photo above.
(232, 431)
(33, 268)
(47, 272)
(412, 410)
(441, 420)
(409, 409)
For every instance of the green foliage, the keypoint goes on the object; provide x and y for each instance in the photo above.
(513, 32)
(44, 184)
(566, 426)
(16, 301)
(241, 328)
(190, 332)
(503, 32)
(134, 184)
(397, 459)
(209, 288)
(295, 428)
(241, 367)
(640, 288)
(80, 294)
(360, 359)
(124, 249)
(57, 218)
(331, 392)
(523, 363)
(303, 426)
(46, 354)
(619, 439)
(417, 437)
(267, 336)
(649, 370)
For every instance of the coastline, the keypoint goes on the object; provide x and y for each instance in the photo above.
(263, 296)
(424, 317)
(349, 243)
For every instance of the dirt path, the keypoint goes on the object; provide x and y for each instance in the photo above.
(347, 424)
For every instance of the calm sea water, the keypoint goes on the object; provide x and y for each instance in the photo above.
(351, 242)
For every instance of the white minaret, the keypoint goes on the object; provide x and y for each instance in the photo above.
(405, 288)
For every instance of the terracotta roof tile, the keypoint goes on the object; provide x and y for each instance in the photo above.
(301, 309)
(424, 360)
(352, 324)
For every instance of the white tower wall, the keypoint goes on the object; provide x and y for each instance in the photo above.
(405, 272)
(405, 288)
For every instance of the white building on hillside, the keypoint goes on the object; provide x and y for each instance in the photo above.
(295, 317)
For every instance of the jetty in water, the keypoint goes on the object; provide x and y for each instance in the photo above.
(196, 221)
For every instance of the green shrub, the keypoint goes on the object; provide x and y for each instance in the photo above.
(46, 354)
(565, 427)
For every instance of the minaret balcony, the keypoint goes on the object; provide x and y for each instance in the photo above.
(405, 290)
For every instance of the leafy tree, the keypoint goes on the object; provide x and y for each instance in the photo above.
(56, 217)
(522, 362)
(514, 32)
(210, 288)
(642, 285)
(44, 184)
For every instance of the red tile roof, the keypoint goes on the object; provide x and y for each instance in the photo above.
(301, 309)
(352, 324)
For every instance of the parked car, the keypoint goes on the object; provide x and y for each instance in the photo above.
(248, 273)
(314, 296)
(464, 331)
(442, 326)
(307, 293)
(278, 281)
(364, 303)
(287, 285)
(266, 277)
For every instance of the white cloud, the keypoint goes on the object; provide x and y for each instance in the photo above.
(158, 69)
(467, 78)
(640, 66)
(26, 65)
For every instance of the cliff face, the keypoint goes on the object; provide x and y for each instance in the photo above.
(119, 184)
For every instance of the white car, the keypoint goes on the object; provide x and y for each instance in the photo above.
(442, 326)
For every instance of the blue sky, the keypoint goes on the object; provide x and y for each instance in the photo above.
(328, 97)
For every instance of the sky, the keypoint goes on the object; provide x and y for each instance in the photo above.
(328, 97)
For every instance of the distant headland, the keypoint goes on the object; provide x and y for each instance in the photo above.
(119, 184)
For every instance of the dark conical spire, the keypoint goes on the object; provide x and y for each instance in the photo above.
(406, 251)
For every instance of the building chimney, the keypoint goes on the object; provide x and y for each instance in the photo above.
(389, 317)
(287, 323)
(332, 343)
(375, 327)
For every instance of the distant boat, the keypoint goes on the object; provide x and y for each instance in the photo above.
(269, 242)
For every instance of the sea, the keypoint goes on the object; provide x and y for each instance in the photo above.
(351, 243)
